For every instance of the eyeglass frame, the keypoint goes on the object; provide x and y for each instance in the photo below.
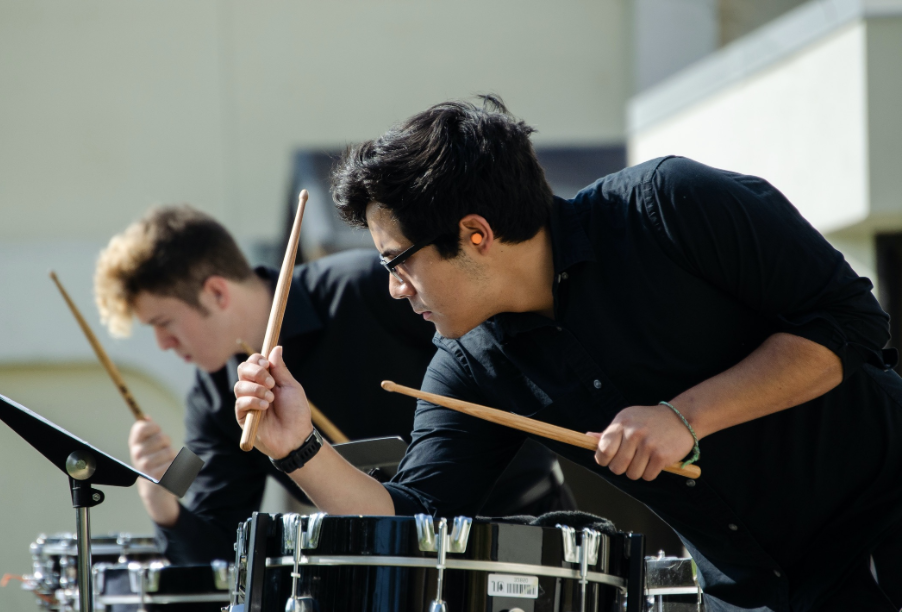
(397, 260)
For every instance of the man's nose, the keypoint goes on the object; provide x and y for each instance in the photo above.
(165, 340)
(399, 289)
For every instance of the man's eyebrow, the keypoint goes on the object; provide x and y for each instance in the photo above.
(156, 319)
(391, 253)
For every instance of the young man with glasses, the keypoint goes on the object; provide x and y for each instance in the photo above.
(671, 308)
(180, 271)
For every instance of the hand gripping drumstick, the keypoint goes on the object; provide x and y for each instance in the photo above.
(320, 420)
(515, 421)
(274, 326)
(110, 367)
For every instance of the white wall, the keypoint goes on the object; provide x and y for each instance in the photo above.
(801, 123)
(110, 106)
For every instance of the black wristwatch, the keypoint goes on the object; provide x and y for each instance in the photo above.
(297, 458)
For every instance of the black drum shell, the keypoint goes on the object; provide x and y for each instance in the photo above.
(176, 581)
(356, 588)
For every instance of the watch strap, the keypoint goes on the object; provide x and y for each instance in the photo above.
(299, 457)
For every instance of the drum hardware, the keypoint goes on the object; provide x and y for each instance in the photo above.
(671, 585)
(457, 543)
(222, 574)
(441, 549)
(295, 536)
(237, 593)
(144, 578)
(584, 553)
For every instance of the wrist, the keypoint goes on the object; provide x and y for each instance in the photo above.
(306, 432)
(695, 453)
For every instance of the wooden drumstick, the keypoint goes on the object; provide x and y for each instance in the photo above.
(320, 420)
(274, 326)
(515, 421)
(105, 360)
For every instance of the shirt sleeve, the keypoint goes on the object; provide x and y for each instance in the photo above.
(742, 235)
(227, 490)
(454, 459)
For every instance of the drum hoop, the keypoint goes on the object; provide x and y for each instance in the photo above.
(457, 564)
(162, 599)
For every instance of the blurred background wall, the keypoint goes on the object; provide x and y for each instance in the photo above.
(110, 107)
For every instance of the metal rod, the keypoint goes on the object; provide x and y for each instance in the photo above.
(83, 540)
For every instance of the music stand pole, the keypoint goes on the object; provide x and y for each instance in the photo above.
(81, 465)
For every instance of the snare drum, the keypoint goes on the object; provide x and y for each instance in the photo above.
(54, 561)
(156, 586)
(416, 564)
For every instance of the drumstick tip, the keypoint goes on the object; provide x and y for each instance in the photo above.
(53, 276)
(388, 385)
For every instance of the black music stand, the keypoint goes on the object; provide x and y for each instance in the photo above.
(86, 465)
(374, 453)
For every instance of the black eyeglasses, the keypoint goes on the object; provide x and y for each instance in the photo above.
(391, 264)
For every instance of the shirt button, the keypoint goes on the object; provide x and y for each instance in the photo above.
(690, 482)
(597, 383)
(733, 527)
(778, 574)
(559, 328)
(564, 276)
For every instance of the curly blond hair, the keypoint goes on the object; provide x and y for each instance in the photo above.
(170, 252)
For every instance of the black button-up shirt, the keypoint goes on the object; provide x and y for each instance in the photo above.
(667, 274)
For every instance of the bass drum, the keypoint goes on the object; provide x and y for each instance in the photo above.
(416, 564)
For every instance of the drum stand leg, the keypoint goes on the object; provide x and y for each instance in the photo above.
(80, 466)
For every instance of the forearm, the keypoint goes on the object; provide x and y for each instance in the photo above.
(783, 372)
(357, 494)
(161, 505)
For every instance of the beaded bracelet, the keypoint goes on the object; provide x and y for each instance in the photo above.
(695, 450)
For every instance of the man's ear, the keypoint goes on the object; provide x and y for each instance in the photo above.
(476, 233)
(218, 291)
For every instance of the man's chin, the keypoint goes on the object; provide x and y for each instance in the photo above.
(452, 333)
(208, 367)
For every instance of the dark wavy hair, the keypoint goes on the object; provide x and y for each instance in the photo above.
(442, 164)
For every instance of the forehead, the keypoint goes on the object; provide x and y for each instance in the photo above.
(385, 230)
(149, 306)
